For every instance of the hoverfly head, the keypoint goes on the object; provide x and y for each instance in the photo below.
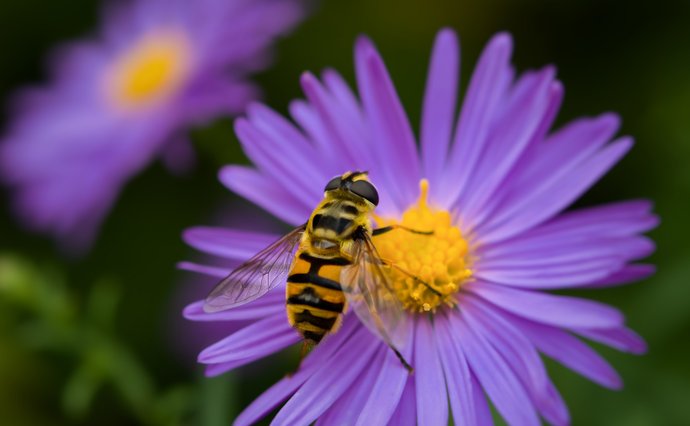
(356, 183)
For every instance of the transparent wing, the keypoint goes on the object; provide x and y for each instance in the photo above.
(370, 295)
(257, 276)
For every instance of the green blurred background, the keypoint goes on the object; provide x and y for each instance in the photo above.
(98, 340)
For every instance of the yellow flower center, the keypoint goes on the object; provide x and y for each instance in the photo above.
(149, 71)
(427, 269)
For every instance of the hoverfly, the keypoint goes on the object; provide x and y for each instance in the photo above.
(330, 264)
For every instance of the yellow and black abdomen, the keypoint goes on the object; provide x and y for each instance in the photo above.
(315, 299)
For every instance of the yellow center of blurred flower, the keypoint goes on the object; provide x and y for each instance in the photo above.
(149, 71)
(427, 270)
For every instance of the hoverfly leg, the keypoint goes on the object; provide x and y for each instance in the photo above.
(389, 228)
(416, 278)
(307, 346)
(383, 230)
(402, 359)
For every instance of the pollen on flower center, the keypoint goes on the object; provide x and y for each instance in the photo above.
(150, 70)
(426, 270)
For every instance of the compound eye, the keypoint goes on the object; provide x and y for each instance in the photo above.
(333, 184)
(365, 190)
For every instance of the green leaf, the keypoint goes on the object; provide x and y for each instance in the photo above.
(102, 303)
(218, 400)
(80, 390)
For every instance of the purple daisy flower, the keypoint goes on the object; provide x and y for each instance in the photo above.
(494, 186)
(120, 100)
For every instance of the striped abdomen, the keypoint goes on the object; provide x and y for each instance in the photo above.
(315, 300)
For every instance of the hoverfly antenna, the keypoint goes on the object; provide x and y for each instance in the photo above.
(350, 176)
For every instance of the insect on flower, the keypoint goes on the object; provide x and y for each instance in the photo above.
(336, 262)
(490, 193)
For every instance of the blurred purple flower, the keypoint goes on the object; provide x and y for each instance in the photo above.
(498, 184)
(118, 101)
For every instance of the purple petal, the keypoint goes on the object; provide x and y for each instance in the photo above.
(264, 192)
(405, 414)
(440, 97)
(550, 276)
(215, 96)
(555, 100)
(390, 126)
(563, 262)
(457, 373)
(507, 341)
(613, 219)
(276, 157)
(42, 207)
(284, 137)
(607, 221)
(520, 355)
(481, 405)
(497, 379)
(328, 383)
(546, 251)
(272, 304)
(228, 243)
(347, 408)
(211, 271)
(625, 275)
(320, 358)
(553, 407)
(569, 351)
(530, 153)
(178, 156)
(213, 370)
(280, 146)
(337, 126)
(562, 311)
(390, 384)
(339, 139)
(515, 128)
(318, 130)
(568, 147)
(540, 205)
(585, 247)
(254, 23)
(623, 339)
(255, 341)
(347, 101)
(428, 376)
(481, 102)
